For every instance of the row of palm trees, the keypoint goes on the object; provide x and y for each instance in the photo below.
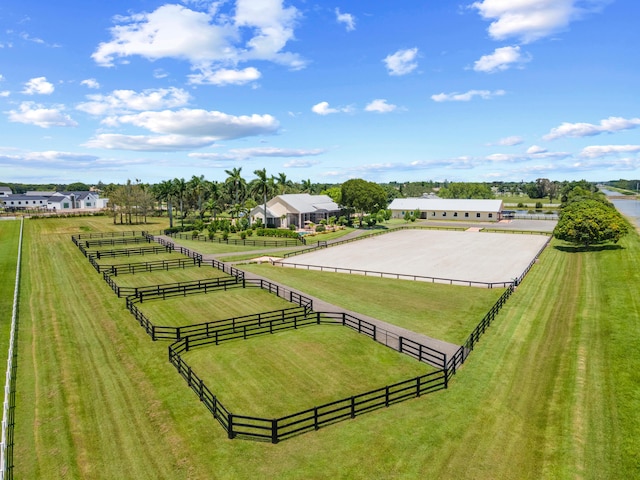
(233, 195)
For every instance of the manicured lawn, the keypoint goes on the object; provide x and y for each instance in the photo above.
(217, 305)
(441, 311)
(9, 239)
(174, 275)
(550, 392)
(276, 375)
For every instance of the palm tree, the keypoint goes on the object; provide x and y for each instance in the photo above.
(262, 186)
(235, 184)
(197, 186)
(306, 186)
(283, 183)
(180, 189)
(214, 191)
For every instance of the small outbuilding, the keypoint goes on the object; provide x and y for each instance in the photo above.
(478, 210)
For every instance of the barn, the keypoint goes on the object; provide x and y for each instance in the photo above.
(478, 210)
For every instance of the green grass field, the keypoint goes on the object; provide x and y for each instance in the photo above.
(218, 305)
(551, 390)
(441, 311)
(271, 376)
(9, 238)
(174, 275)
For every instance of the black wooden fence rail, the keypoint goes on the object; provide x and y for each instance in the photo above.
(151, 266)
(132, 233)
(127, 252)
(114, 241)
(277, 429)
(283, 242)
(395, 276)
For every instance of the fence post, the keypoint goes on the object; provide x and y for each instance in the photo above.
(400, 340)
(274, 431)
(353, 407)
(230, 431)
(417, 386)
(315, 418)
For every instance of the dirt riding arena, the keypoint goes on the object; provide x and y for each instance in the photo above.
(469, 256)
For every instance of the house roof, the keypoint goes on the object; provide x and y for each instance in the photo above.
(446, 204)
(305, 203)
(5, 189)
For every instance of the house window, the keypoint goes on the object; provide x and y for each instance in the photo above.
(433, 214)
(444, 214)
(455, 214)
(66, 205)
(466, 214)
(491, 215)
(477, 215)
(88, 204)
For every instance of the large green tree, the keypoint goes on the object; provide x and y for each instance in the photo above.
(262, 186)
(363, 197)
(590, 222)
(466, 190)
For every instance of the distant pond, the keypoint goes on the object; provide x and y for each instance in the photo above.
(628, 207)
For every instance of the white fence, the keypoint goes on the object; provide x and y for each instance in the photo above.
(7, 386)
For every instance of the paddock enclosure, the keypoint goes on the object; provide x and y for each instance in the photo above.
(468, 256)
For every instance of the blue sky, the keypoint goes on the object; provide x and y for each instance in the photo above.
(400, 90)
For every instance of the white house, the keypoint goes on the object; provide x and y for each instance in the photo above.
(55, 201)
(5, 191)
(295, 209)
(448, 209)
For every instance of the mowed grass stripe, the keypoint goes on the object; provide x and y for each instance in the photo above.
(276, 375)
(441, 311)
(174, 275)
(89, 401)
(216, 305)
(9, 240)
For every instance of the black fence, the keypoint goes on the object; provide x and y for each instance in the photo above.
(283, 242)
(395, 276)
(277, 429)
(115, 241)
(131, 233)
(127, 252)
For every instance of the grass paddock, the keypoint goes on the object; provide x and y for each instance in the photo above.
(549, 392)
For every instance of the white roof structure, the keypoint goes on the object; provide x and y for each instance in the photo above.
(305, 203)
(446, 205)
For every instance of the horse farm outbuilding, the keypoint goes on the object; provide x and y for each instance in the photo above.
(448, 209)
(295, 209)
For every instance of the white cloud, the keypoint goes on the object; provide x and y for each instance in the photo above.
(38, 85)
(465, 97)
(90, 83)
(608, 125)
(510, 141)
(225, 76)
(207, 39)
(534, 149)
(202, 123)
(125, 101)
(380, 105)
(48, 159)
(5, 93)
(148, 143)
(300, 163)
(501, 59)
(402, 62)
(323, 108)
(35, 114)
(530, 20)
(597, 151)
(245, 153)
(346, 18)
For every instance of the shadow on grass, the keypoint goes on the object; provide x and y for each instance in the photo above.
(590, 248)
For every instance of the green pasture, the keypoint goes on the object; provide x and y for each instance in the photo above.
(440, 311)
(550, 392)
(174, 275)
(215, 305)
(9, 239)
(272, 376)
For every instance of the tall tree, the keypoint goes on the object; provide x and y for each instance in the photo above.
(180, 189)
(307, 186)
(165, 192)
(262, 186)
(284, 185)
(197, 186)
(363, 197)
(236, 185)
